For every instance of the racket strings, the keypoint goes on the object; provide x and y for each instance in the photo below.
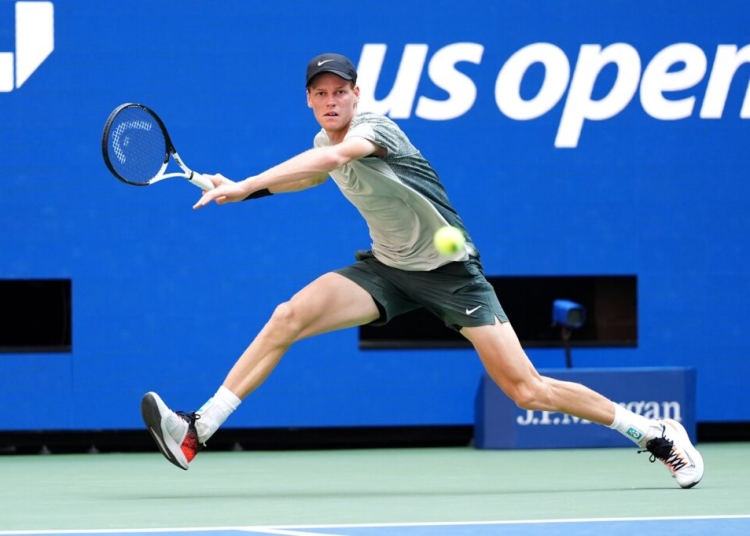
(136, 146)
(117, 143)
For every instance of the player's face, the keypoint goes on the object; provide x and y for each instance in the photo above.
(333, 101)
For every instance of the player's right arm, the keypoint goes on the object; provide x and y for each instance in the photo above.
(302, 184)
(302, 171)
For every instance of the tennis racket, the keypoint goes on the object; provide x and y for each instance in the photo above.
(137, 148)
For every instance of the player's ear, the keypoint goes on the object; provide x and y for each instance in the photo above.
(309, 104)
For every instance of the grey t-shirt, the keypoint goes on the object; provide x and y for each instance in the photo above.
(399, 195)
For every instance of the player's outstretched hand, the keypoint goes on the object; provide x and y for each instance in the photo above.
(226, 191)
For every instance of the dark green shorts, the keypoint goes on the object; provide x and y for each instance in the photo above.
(457, 292)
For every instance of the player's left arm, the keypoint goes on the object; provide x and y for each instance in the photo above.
(305, 170)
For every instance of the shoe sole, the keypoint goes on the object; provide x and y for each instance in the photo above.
(691, 450)
(167, 445)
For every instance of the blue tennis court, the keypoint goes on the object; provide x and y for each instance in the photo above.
(724, 525)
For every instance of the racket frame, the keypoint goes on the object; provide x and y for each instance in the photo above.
(194, 178)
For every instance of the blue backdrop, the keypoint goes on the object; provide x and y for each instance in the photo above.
(626, 121)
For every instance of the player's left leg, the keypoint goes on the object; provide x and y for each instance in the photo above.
(509, 366)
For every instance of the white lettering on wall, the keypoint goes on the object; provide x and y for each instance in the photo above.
(680, 67)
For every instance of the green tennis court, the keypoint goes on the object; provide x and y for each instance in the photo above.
(440, 487)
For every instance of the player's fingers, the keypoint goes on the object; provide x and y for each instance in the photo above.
(222, 194)
(205, 199)
(219, 180)
(224, 180)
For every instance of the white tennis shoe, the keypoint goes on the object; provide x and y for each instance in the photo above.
(173, 432)
(669, 443)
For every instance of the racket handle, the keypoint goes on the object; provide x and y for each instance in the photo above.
(201, 182)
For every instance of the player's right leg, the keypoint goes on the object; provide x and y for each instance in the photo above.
(329, 303)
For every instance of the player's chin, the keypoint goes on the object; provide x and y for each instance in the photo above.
(330, 121)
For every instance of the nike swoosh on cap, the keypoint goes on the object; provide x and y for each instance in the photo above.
(323, 61)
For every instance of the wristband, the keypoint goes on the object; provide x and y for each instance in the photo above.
(258, 194)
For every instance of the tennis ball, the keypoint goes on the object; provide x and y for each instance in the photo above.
(449, 240)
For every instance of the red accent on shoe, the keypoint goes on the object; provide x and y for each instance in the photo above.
(190, 445)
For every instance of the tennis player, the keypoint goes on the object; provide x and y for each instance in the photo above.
(403, 202)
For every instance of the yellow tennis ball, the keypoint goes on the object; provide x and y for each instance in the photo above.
(449, 240)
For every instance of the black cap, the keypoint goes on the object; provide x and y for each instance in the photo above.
(331, 63)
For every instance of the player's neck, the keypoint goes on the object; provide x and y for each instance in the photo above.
(337, 136)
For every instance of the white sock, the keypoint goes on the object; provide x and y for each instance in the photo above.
(214, 412)
(631, 425)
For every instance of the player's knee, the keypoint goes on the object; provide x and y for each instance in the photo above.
(285, 322)
(528, 395)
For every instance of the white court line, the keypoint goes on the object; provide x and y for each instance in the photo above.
(288, 530)
(285, 532)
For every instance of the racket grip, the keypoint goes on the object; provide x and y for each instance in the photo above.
(201, 182)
